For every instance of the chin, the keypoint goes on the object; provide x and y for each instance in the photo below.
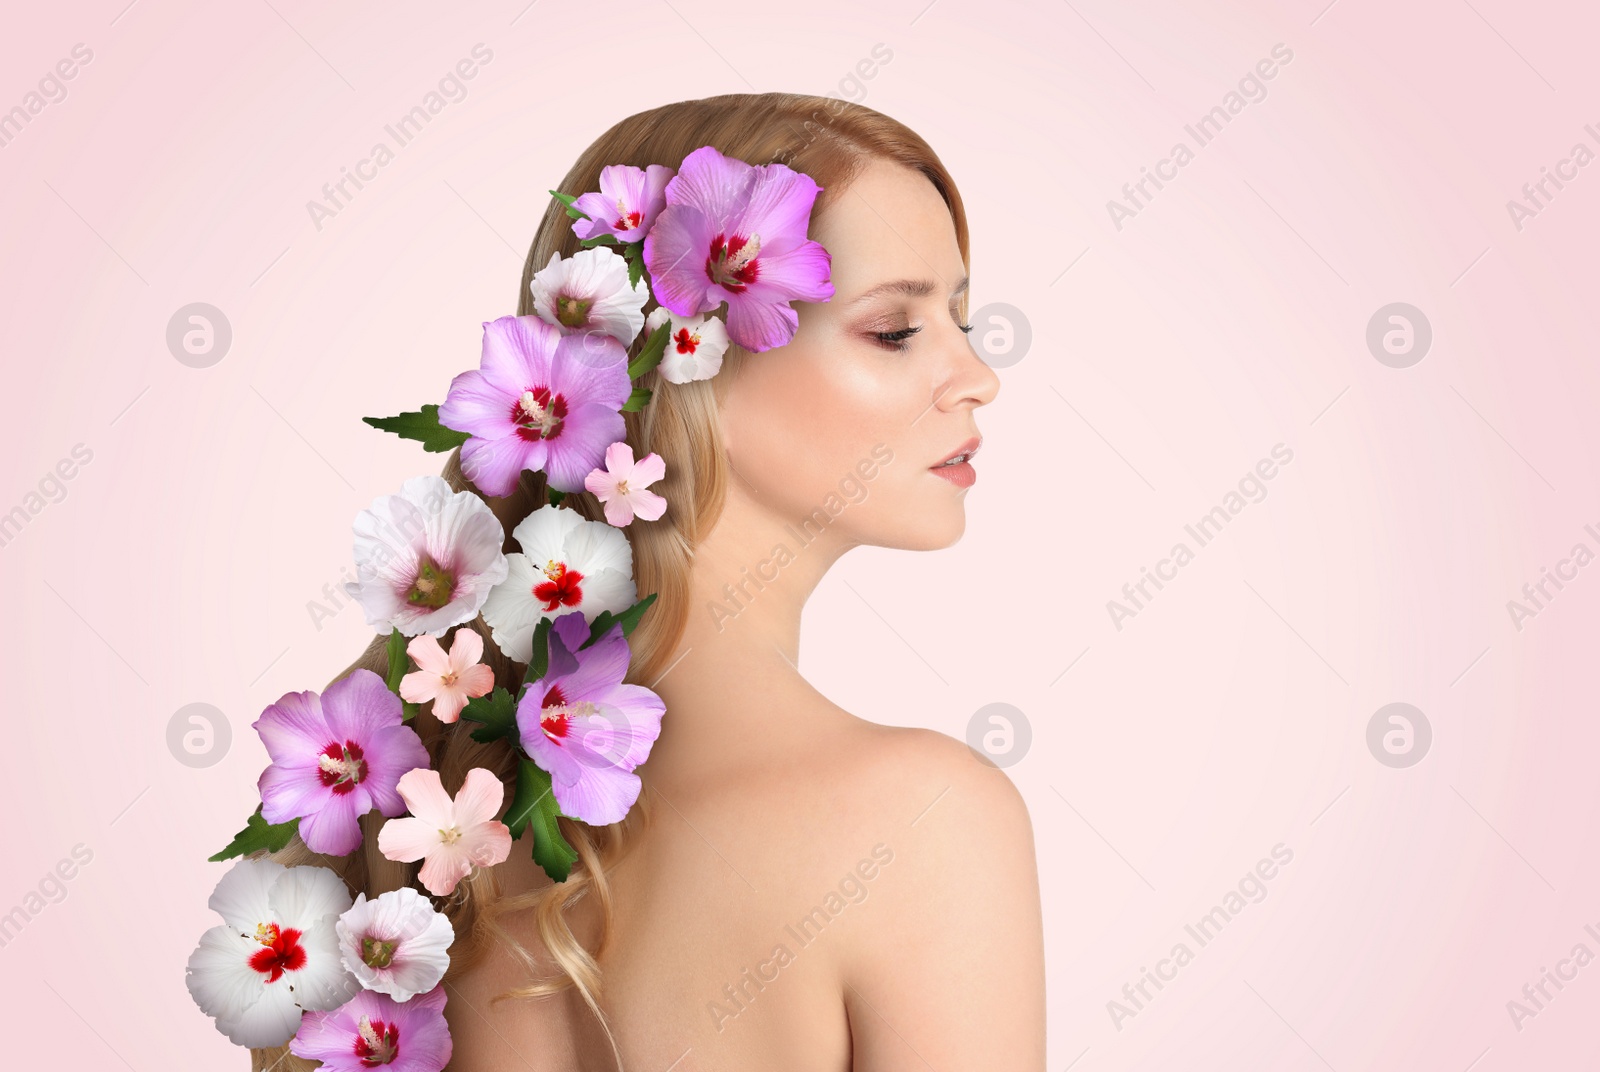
(926, 523)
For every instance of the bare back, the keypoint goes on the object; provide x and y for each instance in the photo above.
(754, 914)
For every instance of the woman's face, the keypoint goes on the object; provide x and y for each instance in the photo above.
(846, 423)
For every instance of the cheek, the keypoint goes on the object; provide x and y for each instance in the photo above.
(800, 424)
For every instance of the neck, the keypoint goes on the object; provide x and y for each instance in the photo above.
(737, 661)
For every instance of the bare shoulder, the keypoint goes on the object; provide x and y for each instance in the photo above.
(921, 777)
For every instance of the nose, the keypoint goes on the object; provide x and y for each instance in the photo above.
(971, 382)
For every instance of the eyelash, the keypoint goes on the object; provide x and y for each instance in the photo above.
(895, 340)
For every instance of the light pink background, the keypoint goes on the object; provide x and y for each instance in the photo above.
(1227, 316)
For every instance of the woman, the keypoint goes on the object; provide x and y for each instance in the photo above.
(799, 888)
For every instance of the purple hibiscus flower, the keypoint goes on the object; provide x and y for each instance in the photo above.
(585, 727)
(627, 204)
(335, 757)
(737, 233)
(539, 400)
(373, 1030)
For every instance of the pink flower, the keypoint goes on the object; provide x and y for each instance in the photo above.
(374, 1030)
(448, 680)
(627, 204)
(585, 727)
(540, 400)
(451, 837)
(737, 233)
(335, 757)
(621, 485)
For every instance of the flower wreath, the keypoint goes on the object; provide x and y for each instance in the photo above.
(358, 984)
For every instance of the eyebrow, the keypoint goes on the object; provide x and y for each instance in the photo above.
(911, 288)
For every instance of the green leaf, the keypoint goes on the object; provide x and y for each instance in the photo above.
(535, 805)
(637, 401)
(635, 270)
(555, 496)
(399, 667)
(422, 425)
(599, 240)
(497, 714)
(258, 834)
(629, 618)
(539, 664)
(650, 353)
(568, 199)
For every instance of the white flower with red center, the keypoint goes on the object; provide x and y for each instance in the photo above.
(695, 348)
(395, 943)
(589, 291)
(623, 485)
(426, 558)
(275, 954)
(567, 563)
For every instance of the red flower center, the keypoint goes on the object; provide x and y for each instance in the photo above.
(561, 587)
(280, 951)
(556, 723)
(627, 221)
(732, 263)
(686, 342)
(377, 1042)
(538, 414)
(341, 766)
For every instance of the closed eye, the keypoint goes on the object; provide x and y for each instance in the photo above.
(895, 340)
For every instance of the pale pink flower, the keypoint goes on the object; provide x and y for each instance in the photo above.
(451, 837)
(621, 485)
(448, 680)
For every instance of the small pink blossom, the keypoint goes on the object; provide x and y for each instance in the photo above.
(621, 485)
(627, 204)
(451, 837)
(448, 680)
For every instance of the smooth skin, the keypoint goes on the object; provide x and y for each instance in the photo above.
(770, 801)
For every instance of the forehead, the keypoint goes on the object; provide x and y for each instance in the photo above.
(889, 222)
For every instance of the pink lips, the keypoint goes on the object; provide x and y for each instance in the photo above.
(962, 475)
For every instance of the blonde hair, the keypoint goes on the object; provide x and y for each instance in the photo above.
(824, 137)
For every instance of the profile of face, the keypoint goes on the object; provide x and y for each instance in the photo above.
(879, 385)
